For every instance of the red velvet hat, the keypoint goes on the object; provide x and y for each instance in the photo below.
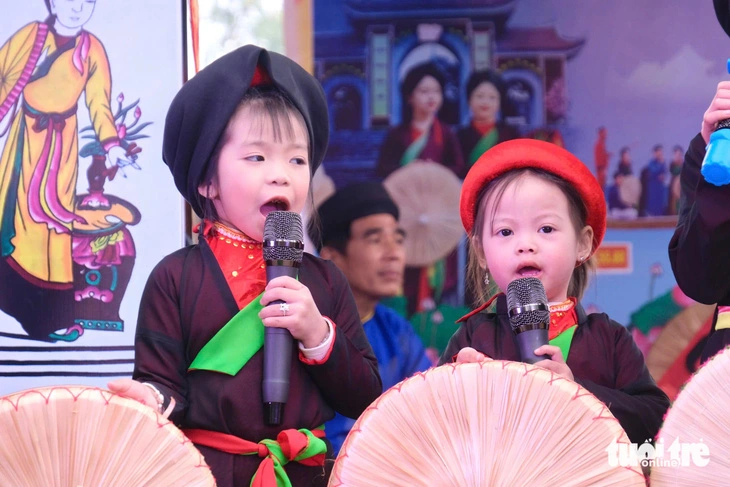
(530, 153)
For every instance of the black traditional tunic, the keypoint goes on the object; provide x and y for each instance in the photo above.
(603, 358)
(469, 136)
(700, 247)
(186, 302)
(440, 147)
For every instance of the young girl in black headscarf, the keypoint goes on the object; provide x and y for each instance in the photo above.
(242, 139)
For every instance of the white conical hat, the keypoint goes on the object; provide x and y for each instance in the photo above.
(694, 436)
(72, 436)
(494, 423)
(427, 195)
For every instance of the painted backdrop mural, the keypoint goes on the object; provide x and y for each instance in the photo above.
(621, 84)
(80, 126)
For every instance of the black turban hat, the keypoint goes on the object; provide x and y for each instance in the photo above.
(354, 201)
(200, 111)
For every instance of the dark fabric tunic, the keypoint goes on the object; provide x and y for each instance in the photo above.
(603, 358)
(446, 152)
(187, 300)
(700, 247)
(469, 137)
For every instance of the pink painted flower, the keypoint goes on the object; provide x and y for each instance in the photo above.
(137, 113)
(120, 98)
(121, 131)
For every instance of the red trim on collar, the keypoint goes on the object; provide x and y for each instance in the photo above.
(207, 226)
(479, 309)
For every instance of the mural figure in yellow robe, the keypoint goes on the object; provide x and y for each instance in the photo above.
(45, 67)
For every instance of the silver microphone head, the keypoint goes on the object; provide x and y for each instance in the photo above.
(283, 236)
(527, 304)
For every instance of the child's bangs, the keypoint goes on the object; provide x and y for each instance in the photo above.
(271, 109)
(494, 192)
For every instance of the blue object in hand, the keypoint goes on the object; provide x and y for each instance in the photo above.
(716, 166)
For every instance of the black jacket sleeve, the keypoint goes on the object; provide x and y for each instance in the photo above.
(635, 399)
(159, 350)
(348, 378)
(699, 250)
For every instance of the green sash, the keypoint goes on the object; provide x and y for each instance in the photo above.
(314, 446)
(564, 340)
(234, 344)
(414, 149)
(487, 141)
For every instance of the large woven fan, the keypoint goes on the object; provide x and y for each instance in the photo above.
(80, 436)
(699, 415)
(495, 423)
(667, 357)
(427, 195)
(630, 190)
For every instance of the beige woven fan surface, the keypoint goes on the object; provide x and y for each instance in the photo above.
(630, 190)
(427, 195)
(73, 436)
(675, 336)
(494, 423)
(698, 422)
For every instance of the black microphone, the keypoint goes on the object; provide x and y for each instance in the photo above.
(283, 246)
(529, 316)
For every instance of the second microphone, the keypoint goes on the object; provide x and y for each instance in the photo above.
(529, 316)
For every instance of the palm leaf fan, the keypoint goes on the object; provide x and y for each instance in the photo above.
(427, 195)
(20, 58)
(630, 190)
(666, 359)
(698, 416)
(71, 436)
(494, 423)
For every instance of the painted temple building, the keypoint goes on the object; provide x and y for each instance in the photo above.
(364, 47)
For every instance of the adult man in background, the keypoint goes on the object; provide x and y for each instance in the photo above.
(360, 234)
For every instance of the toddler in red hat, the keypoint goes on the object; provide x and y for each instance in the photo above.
(532, 209)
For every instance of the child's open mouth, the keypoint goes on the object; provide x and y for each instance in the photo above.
(274, 205)
(529, 271)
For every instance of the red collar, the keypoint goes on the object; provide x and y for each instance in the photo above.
(479, 309)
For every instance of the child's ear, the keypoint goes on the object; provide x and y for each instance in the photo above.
(585, 242)
(208, 190)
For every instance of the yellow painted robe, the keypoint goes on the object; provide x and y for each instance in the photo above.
(40, 250)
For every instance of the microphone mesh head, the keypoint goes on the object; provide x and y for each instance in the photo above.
(521, 292)
(282, 226)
